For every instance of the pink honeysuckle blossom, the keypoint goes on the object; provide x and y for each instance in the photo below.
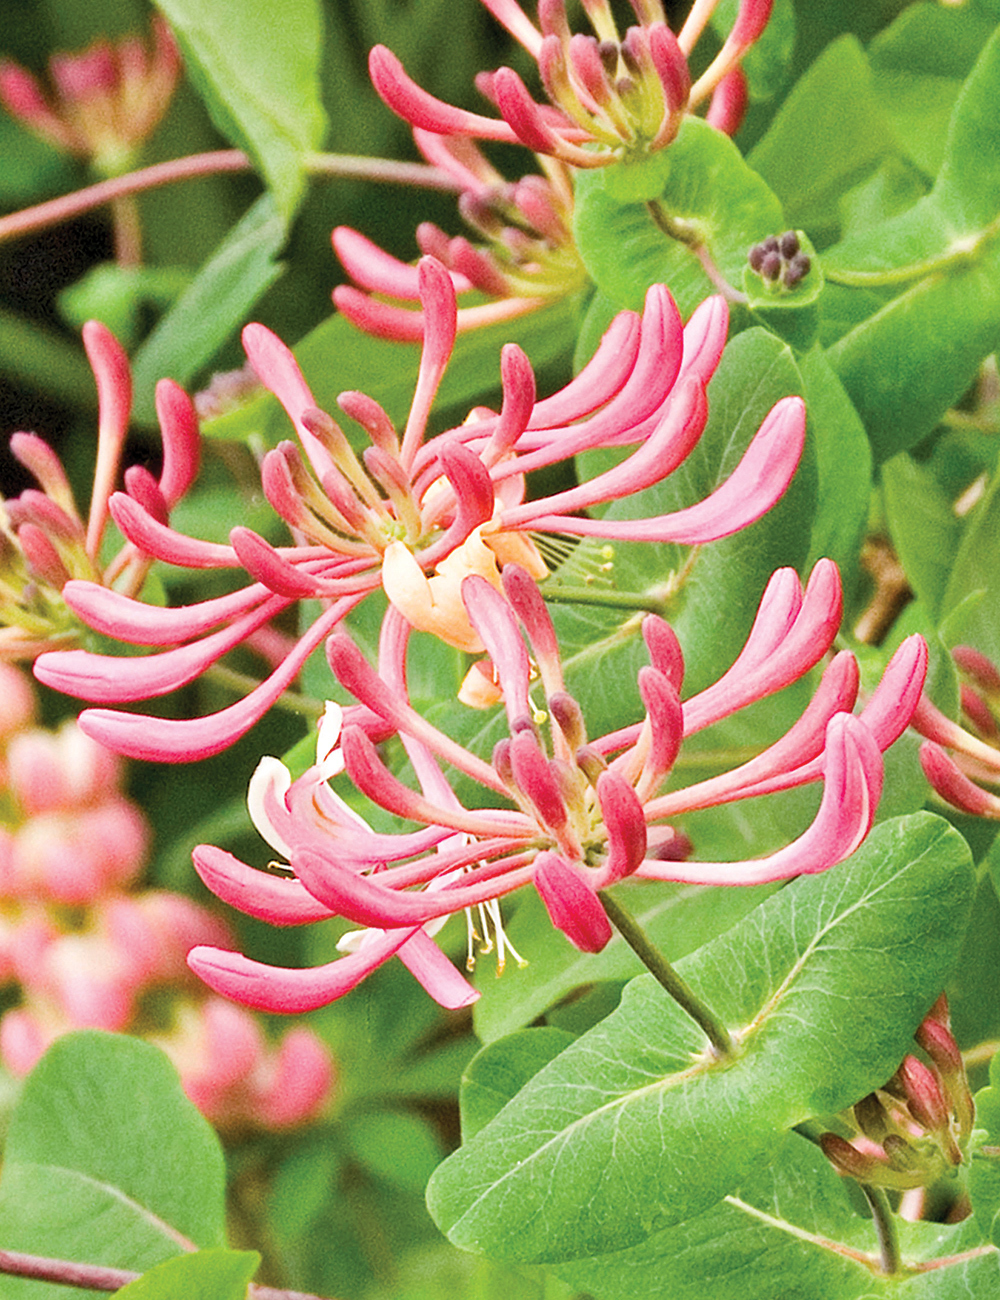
(104, 100)
(960, 761)
(611, 98)
(529, 258)
(416, 515)
(46, 544)
(569, 814)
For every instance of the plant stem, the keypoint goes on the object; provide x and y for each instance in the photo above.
(885, 1228)
(67, 206)
(664, 973)
(127, 230)
(567, 595)
(95, 1277)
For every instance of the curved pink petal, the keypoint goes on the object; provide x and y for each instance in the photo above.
(181, 440)
(852, 776)
(431, 968)
(279, 900)
(493, 619)
(571, 903)
(173, 740)
(417, 107)
(163, 543)
(114, 400)
(954, 787)
(126, 619)
(112, 679)
(755, 485)
(377, 271)
(275, 988)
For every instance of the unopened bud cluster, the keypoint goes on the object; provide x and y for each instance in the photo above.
(915, 1129)
(779, 260)
(81, 947)
(101, 102)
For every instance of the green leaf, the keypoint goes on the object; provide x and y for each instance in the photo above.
(107, 1162)
(924, 528)
(205, 1275)
(828, 134)
(240, 270)
(500, 1071)
(258, 71)
(636, 1127)
(907, 363)
(843, 466)
(335, 356)
(709, 191)
(984, 1177)
(918, 66)
(677, 918)
(45, 362)
(977, 570)
(117, 296)
(783, 1234)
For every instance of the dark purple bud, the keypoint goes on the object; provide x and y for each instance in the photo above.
(770, 267)
(789, 244)
(771, 245)
(756, 257)
(797, 269)
(608, 51)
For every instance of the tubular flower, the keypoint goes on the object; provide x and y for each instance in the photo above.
(415, 515)
(958, 761)
(610, 98)
(528, 260)
(44, 542)
(104, 101)
(570, 814)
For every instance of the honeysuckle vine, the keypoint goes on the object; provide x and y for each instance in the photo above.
(412, 514)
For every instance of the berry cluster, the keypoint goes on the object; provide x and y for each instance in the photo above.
(779, 260)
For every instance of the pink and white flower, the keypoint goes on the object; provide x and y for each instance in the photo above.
(411, 510)
(569, 814)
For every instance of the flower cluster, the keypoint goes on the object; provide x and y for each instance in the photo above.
(414, 514)
(568, 813)
(104, 101)
(45, 543)
(917, 1127)
(958, 762)
(84, 949)
(529, 257)
(611, 97)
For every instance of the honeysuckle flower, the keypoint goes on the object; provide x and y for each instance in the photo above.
(610, 98)
(570, 814)
(103, 102)
(959, 762)
(454, 503)
(916, 1128)
(44, 541)
(528, 260)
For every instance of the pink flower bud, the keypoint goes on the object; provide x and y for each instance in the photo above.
(23, 1040)
(302, 1077)
(571, 903)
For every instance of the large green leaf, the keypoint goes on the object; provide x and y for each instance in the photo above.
(107, 1162)
(205, 1275)
(904, 365)
(707, 188)
(924, 528)
(636, 1126)
(788, 1232)
(677, 918)
(257, 68)
(226, 287)
(828, 134)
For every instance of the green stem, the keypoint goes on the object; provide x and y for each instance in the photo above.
(67, 206)
(566, 595)
(662, 971)
(885, 1229)
(961, 250)
(302, 706)
(689, 234)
